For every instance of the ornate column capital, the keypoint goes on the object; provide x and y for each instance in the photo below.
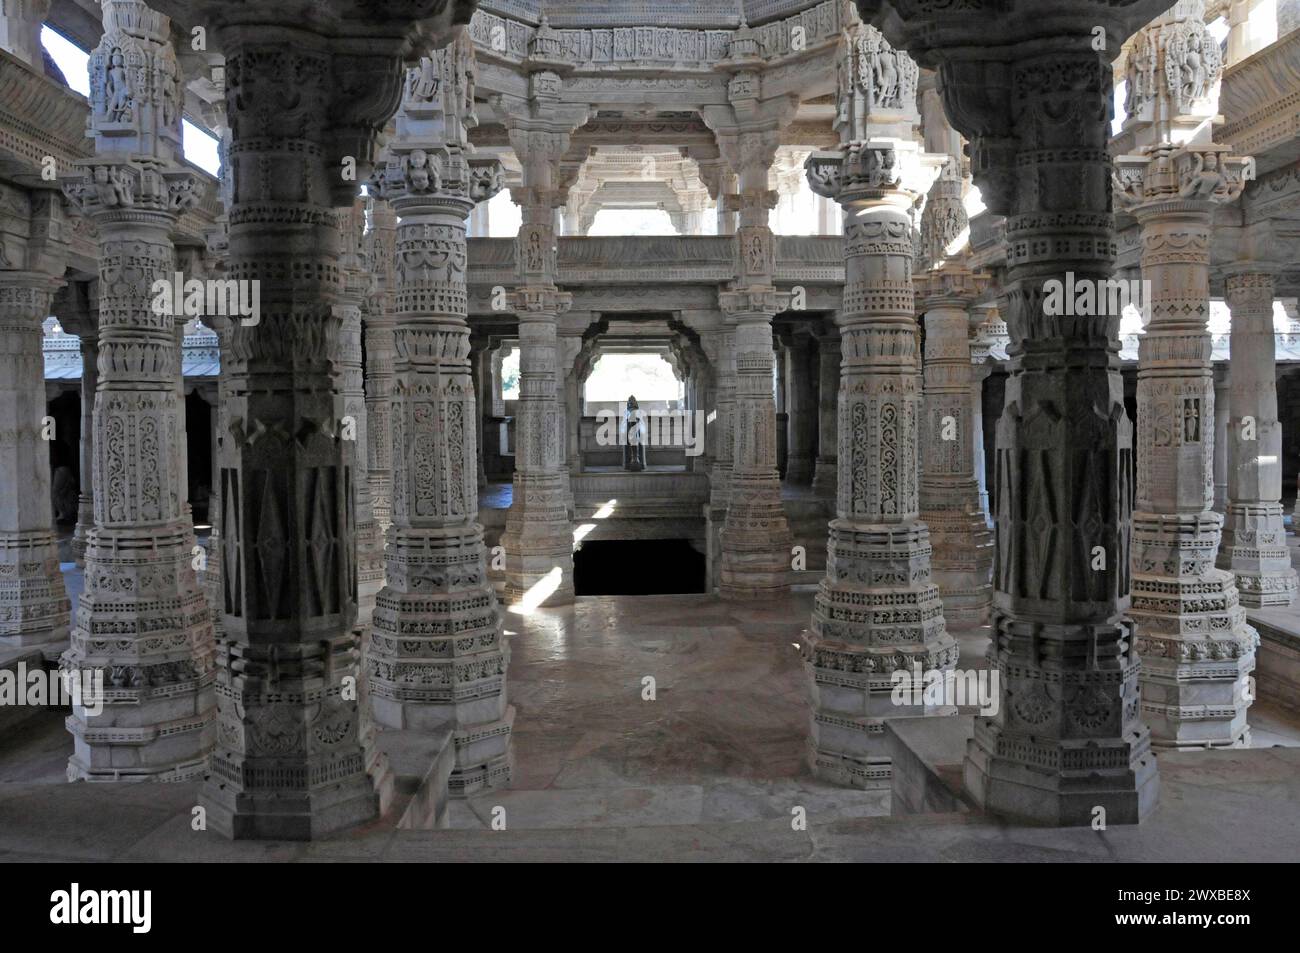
(1165, 177)
(953, 286)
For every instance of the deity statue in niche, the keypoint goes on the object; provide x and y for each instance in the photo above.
(886, 78)
(634, 448)
(118, 88)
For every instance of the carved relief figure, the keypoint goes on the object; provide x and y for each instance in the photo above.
(117, 88)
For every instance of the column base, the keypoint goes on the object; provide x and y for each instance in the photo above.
(1254, 549)
(1191, 635)
(538, 544)
(1060, 783)
(755, 542)
(484, 756)
(799, 470)
(34, 605)
(291, 817)
(291, 758)
(370, 569)
(846, 741)
(142, 634)
(80, 535)
(1200, 701)
(825, 481)
(876, 613)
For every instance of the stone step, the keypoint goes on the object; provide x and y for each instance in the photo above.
(421, 762)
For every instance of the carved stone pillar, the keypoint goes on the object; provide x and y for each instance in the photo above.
(877, 610)
(1254, 540)
(826, 472)
(437, 655)
(962, 558)
(719, 345)
(353, 428)
(1191, 633)
(1222, 408)
(1023, 81)
(143, 622)
(379, 346)
(291, 759)
(34, 607)
(538, 537)
(86, 326)
(755, 538)
(801, 406)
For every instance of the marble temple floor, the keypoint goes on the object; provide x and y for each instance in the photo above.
(709, 769)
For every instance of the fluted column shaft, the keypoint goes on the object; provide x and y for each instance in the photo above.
(1254, 540)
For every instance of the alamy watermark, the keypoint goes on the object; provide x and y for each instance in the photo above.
(198, 297)
(651, 428)
(947, 688)
(1096, 297)
(40, 687)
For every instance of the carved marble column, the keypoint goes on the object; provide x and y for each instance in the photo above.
(140, 588)
(962, 558)
(801, 405)
(1025, 84)
(1254, 540)
(437, 652)
(755, 538)
(86, 326)
(34, 607)
(381, 243)
(720, 347)
(538, 538)
(1190, 631)
(826, 471)
(1222, 409)
(877, 611)
(291, 760)
(143, 621)
(353, 427)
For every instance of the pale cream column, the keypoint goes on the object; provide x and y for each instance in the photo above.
(1254, 539)
(438, 657)
(962, 557)
(1190, 629)
(157, 721)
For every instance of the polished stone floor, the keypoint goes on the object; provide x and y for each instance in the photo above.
(723, 738)
(709, 769)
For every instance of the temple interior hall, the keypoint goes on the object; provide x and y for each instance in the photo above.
(650, 430)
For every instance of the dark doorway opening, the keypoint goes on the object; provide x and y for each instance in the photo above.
(198, 455)
(638, 568)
